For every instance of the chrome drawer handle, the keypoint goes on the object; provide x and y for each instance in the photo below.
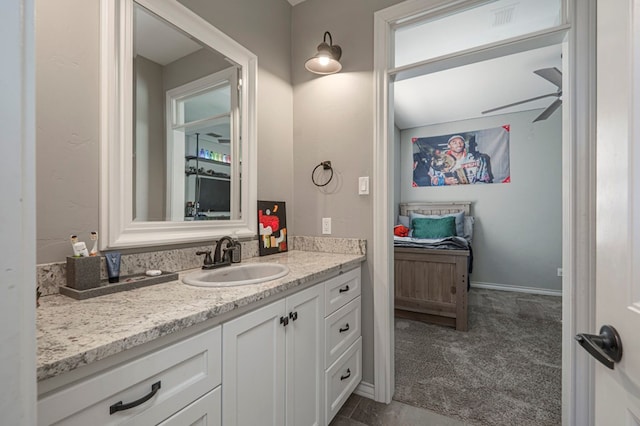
(346, 376)
(345, 289)
(346, 328)
(119, 406)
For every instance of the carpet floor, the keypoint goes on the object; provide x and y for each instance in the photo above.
(506, 370)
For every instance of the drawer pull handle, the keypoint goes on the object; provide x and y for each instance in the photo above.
(345, 289)
(346, 376)
(346, 328)
(284, 321)
(119, 406)
(293, 315)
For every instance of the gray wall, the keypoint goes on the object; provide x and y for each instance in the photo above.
(149, 186)
(67, 124)
(67, 108)
(333, 120)
(397, 187)
(518, 232)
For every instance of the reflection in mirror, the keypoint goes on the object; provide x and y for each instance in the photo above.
(178, 128)
(185, 126)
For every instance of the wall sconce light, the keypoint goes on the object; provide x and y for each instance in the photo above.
(327, 60)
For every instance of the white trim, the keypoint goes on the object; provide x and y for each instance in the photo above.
(382, 217)
(176, 144)
(116, 184)
(366, 390)
(17, 214)
(578, 217)
(578, 202)
(515, 288)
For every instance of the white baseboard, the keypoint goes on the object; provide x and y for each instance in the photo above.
(366, 390)
(519, 289)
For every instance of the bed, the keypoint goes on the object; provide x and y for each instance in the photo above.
(431, 281)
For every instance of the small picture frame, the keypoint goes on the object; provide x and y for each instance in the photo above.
(272, 227)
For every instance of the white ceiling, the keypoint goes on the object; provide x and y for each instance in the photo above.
(464, 92)
(158, 41)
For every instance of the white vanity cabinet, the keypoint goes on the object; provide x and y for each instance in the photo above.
(272, 363)
(181, 380)
(294, 362)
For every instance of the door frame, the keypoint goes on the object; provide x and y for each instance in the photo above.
(578, 205)
(18, 353)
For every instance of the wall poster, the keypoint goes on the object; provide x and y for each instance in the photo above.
(479, 156)
(272, 227)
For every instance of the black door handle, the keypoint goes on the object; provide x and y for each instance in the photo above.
(119, 406)
(606, 347)
(344, 289)
(346, 328)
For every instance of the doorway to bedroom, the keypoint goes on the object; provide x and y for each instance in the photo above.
(475, 293)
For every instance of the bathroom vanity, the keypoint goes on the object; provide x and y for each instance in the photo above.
(283, 352)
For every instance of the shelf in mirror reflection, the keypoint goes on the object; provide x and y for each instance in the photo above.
(207, 160)
(207, 176)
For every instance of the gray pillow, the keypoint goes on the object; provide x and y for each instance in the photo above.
(404, 221)
(468, 228)
(459, 220)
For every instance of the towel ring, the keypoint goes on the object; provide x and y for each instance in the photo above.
(326, 165)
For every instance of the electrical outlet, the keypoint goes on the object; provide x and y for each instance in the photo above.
(559, 272)
(326, 225)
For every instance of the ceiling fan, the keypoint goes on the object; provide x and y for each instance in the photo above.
(553, 75)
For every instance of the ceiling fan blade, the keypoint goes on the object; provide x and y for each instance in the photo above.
(520, 102)
(550, 110)
(554, 75)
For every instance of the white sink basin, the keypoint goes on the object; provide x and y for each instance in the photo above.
(227, 276)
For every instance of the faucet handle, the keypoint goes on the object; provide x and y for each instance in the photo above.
(227, 253)
(208, 261)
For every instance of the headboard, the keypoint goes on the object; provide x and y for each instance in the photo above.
(436, 208)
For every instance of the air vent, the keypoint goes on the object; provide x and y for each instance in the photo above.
(221, 140)
(504, 15)
(214, 135)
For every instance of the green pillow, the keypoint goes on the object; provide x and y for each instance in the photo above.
(434, 228)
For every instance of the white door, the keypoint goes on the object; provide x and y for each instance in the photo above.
(617, 396)
(253, 363)
(305, 358)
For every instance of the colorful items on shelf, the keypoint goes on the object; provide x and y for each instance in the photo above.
(216, 156)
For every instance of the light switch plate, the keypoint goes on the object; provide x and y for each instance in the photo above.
(363, 185)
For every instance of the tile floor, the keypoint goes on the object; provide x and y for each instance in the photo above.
(359, 411)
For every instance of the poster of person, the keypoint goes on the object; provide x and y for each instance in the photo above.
(479, 156)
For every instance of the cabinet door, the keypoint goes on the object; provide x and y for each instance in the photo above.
(253, 368)
(305, 362)
(206, 411)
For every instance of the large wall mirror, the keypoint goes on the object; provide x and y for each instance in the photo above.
(178, 127)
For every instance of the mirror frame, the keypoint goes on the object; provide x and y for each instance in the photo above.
(117, 227)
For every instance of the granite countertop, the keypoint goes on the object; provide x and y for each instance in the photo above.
(72, 333)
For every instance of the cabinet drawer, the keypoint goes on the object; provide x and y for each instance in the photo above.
(342, 328)
(185, 370)
(342, 378)
(341, 289)
(207, 411)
